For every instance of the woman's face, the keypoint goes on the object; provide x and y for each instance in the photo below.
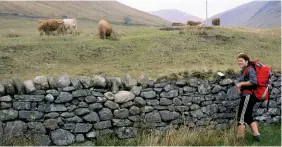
(242, 62)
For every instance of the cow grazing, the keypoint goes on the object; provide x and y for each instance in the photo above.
(216, 21)
(105, 29)
(194, 23)
(50, 25)
(178, 24)
(70, 24)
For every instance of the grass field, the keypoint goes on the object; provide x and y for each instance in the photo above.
(136, 50)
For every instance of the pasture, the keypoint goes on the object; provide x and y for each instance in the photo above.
(133, 50)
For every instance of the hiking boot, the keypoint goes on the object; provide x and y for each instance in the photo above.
(257, 138)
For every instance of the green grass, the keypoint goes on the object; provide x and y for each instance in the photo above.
(200, 137)
(137, 50)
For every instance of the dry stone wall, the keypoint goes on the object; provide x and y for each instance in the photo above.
(64, 110)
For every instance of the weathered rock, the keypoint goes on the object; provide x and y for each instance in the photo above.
(95, 106)
(197, 113)
(62, 137)
(2, 90)
(53, 82)
(92, 117)
(128, 81)
(49, 98)
(170, 94)
(121, 113)
(210, 109)
(181, 108)
(189, 89)
(51, 124)
(76, 83)
(149, 94)
(15, 129)
(98, 81)
(105, 114)
(134, 110)
(6, 115)
(136, 90)
(20, 89)
(56, 108)
(193, 83)
(181, 83)
(29, 86)
(21, 105)
(209, 97)
(126, 132)
(102, 125)
(160, 85)
(221, 96)
(165, 101)
(5, 98)
(147, 109)
(69, 89)
(143, 80)
(140, 101)
(121, 122)
(101, 99)
(168, 116)
(41, 82)
(90, 99)
(109, 95)
(82, 105)
(82, 128)
(225, 82)
(124, 96)
(36, 128)
(54, 92)
(274, 111)
(198, 99)
(93, 134)
(51, 115)
(232, 93)
(153, 117)
(63, 81)
(85, 81)
(194, 107)
(112, 105)
(79, 138)
(177, 102)
(275, 91)
(64, 97)
(5, 105)
(75, 119)
(135, 118)
(216, 89)
(204, 89)
(82, 111)
(29, 98)
(81, 93)
(9, 87)
(153, 102)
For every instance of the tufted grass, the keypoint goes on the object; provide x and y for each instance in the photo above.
(199, 137)
(133, 50)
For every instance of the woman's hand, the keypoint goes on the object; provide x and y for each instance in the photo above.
(238, 87)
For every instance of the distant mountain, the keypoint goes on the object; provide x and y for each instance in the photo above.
(174, 15)
(112, 11)
(255, 14)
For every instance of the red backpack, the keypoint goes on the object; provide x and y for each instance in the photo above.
(264, 73)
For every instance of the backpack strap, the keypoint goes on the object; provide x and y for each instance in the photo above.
(246, 70)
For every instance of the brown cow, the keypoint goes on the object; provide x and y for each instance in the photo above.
(216, 21)
(105, 29)
(51, 25)
(194, 23)
(178, 24)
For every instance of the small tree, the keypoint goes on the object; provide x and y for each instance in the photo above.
(127, 20)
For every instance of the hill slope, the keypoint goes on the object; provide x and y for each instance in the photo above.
(112, 11)
(175, 15)
(256, 14)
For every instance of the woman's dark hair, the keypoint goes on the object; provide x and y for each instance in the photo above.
(244, 56)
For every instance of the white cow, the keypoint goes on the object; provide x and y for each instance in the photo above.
(70, 24)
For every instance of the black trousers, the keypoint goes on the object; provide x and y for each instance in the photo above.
(245, 113)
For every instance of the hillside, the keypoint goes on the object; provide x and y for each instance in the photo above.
(112, 11)
(255, 14)
(173, 15)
